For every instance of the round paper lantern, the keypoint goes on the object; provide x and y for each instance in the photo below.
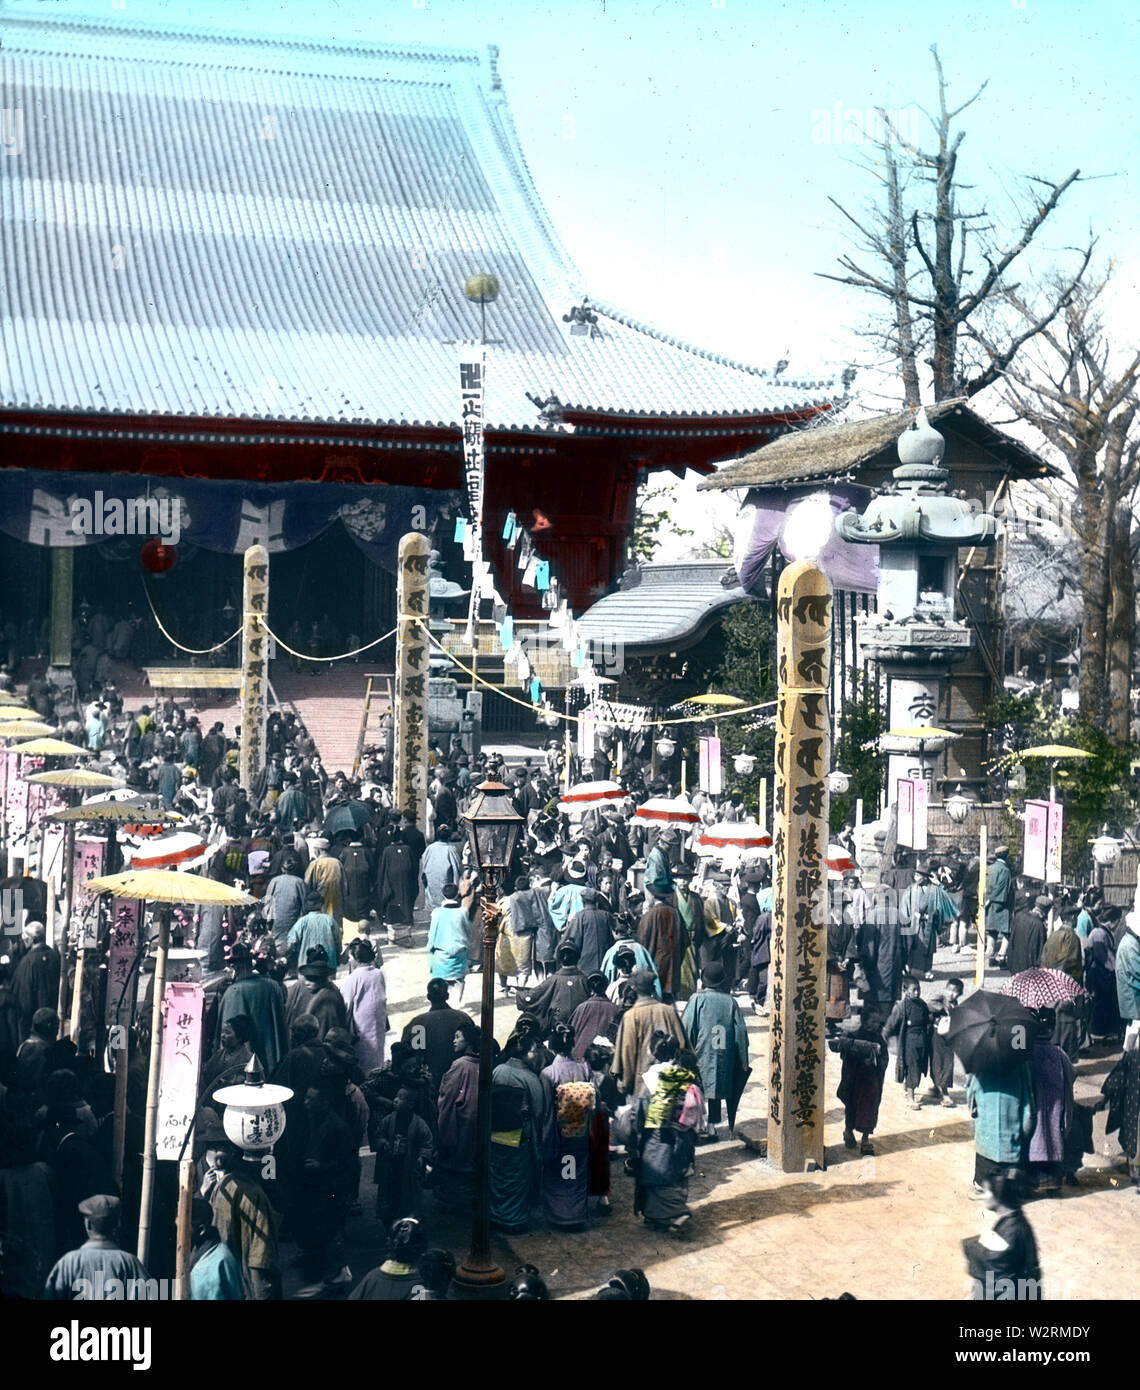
(157, 557)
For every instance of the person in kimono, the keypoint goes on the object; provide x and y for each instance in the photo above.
(449, 940)
(999, 902)
(365, 993)
(519, 1118)
(1053, 1104)
(864, 1056)
(405, 1151)
(718, 1037)
(458, 1112)
(925, 909)
(910, 1019)
(566, 1167)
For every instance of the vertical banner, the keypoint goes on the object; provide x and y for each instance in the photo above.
(472, 396)
(913, 806)
(87, 862)
(254, 665)
(1041, 850)
(16, 804)
(711, 774)
(409, 781)
(122, 975)
(182, 1007)
(799, 916)
(587, 730)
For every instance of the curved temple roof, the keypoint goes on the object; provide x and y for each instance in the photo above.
(664, 606)
(204, 225)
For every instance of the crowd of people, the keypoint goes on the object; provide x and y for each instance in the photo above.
(630, 962)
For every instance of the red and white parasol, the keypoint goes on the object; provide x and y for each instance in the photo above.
(180, 849)
(732, 835)
(666, 810)
(839, 861)
(586, 794)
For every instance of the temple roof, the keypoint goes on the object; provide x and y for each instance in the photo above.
(838, 450)
(202, 225)
(660, 607)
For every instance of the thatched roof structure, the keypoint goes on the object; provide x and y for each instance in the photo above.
(835, 452)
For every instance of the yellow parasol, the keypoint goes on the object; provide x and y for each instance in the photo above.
(1055, 752)
(75, 777)
(10, 712)
(47, 748)
(26, 728)
(142, 812)
(922, 733)
(169, 886)
(712, 699)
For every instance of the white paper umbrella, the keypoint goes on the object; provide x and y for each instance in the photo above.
(666, 810)
(165, 851)
(586, 794)
(737, 834)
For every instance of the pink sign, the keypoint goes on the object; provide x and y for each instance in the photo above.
(87, 864)
(711, 775)
(1041, 852)
(182, 1009)
(913, 800)
(122, 974)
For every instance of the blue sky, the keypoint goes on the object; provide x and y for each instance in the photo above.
(686, 149)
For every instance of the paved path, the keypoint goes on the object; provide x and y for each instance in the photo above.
(890, 1226)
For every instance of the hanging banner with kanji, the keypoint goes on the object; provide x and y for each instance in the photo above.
(182, 1008)
(122, 962)
(711, 776)
(87, 863)
(1041, 852)
(472, 395)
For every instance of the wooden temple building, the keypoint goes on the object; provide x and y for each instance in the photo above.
(234, 274)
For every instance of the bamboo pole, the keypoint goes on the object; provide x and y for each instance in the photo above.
(983, 849)
(183, 1229)
(149, 1156)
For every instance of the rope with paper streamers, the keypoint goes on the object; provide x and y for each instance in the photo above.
(303, 656)
(190, 651)
(569, 718)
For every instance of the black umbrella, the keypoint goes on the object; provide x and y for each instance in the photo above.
(991, 1032)
(740, 1077)
(346, 815)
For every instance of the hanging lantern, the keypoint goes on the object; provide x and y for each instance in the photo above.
(156, 557)
(666, 747)
(958, 806)
(550, 719)
(838, 782)
(744, 763)
(254, 1117)
(1105, 849)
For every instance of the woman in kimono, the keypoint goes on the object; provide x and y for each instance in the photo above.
(449, 939)
(566, 1167)
(1100, 981)
(519, 1118)
(1003, 1260)
(458, 1125)
(667, 1119)
(405, 1151)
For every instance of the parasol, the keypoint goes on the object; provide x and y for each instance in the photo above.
(839, 861)
(659, 810)
(991, 1032)
(734, 835)
(44, 747)
(25, 728)
(175, 848)
(1055, 752)
(1041, 988)
(106, 809)
(346, 815)
(74, 777)
(583, 795)
(714, 701)
(161, 886)
(8, 713)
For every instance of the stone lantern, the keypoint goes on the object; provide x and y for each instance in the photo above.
(915, 635)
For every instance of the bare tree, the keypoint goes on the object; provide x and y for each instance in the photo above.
(940, 269)
(1085, 401)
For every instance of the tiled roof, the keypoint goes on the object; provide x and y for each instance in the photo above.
(205, 225)
(660, 606)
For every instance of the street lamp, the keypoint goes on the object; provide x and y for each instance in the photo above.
(493, 827)
(958, 806)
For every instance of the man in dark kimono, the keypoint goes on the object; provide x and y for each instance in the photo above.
(318, 996)
(35, 983)
(458, 1128)
(359, 879)
(591, 931)
(555, 1000)
(1027, 935)
(719, 1038)
(262, 1000)
(413, 837)
(397, 884)
(431, 1035)
(879, 947)
(659, 931)
(999, 902)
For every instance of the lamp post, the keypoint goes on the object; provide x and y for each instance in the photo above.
(1105, 853)
(493, 827)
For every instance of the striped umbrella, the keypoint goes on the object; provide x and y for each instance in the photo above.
(732, 835)
(663, 810)
(1040, 988)
(839, 861)
(583, 795)
(181, 847)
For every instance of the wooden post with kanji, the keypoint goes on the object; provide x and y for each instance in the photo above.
(413, 668)
(799, 915)
(254, 665)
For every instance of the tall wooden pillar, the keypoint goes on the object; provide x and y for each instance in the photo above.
(799, 916)
(62, 581)
(254, 665)
(409, 779)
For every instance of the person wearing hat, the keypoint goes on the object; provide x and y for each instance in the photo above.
(633, 1047)
(718, 1036)
(591, 931)
(566, 899)
(449, 940)
(431, 1035)
(262, 1000)
(925, 909)
(100, 1270)
(215, 1275)
(1027, 934)
(317, 996)
(555, 1000)
(314, 928)
(999, 902)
